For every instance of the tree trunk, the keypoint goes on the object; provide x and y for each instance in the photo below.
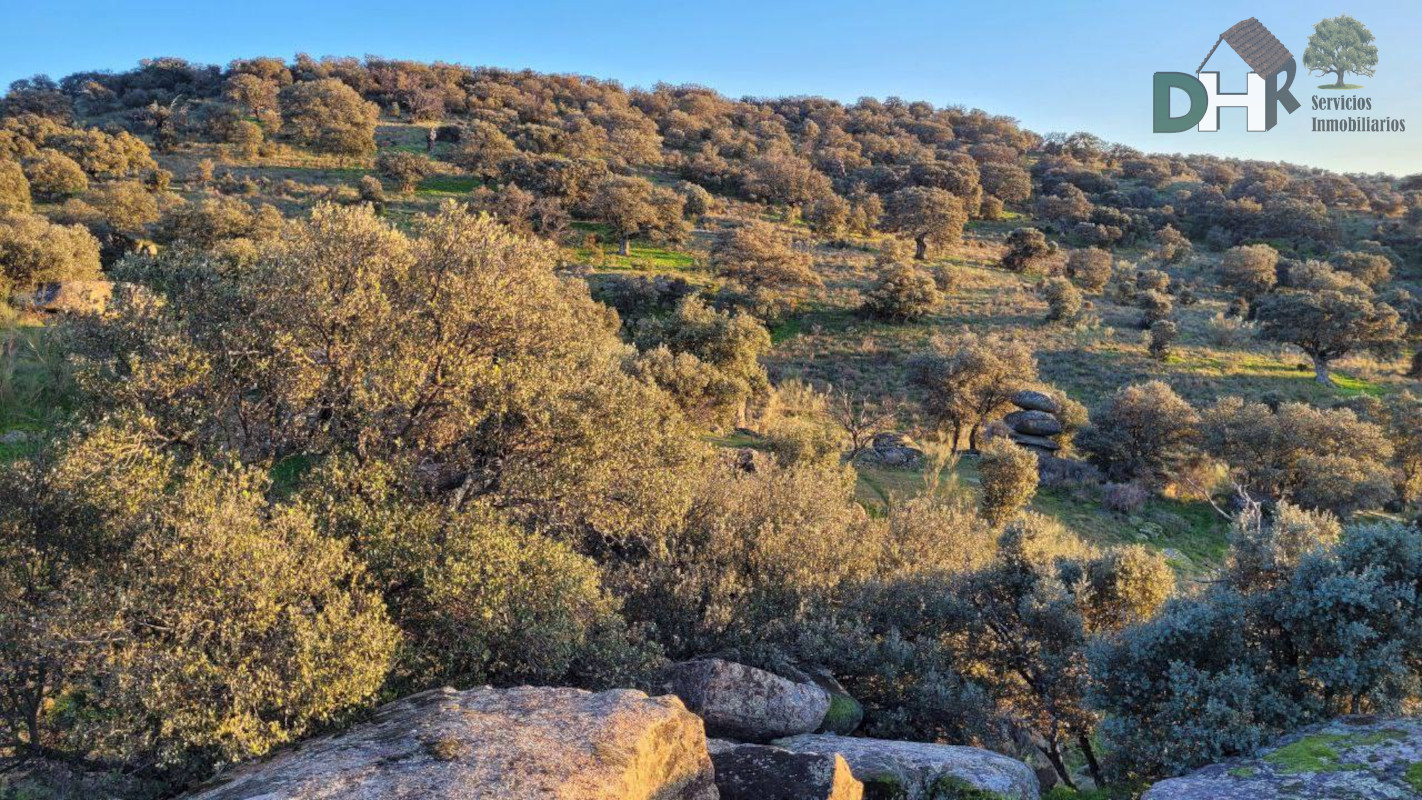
(973, 438)
(626, 249)
(1092, 765)
(1054, 756)
(957, 434)
(1320, 372)
(920, 248)
(1340, 83)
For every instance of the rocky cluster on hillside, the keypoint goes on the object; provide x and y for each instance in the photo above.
(776, 738)
(1350, 757)
(1034, 424)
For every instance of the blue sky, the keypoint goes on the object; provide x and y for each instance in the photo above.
(1053, 65)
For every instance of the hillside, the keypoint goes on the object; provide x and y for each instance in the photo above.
(582, 378)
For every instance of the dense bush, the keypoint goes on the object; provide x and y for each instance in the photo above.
(1144, 432)
(1027, 248)
(1317, 458)
(903, 293)
(758, 255)
(185, 621)
(14, 189)
(1090, 268)
(403, 169)
(34, 251)
(1221, 674)
(1064, 302)
(54, 176)
(1009, 479)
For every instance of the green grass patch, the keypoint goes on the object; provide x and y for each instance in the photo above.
(1345, 87)
(1243, 772)
(788, 329)
(1319, 753)
(738, 440)
(640, 259)
(448, 184)
(286, 474)
(1194, 528)
(35, 386)
(1413, 776)
(1310, 754)
(1354, 387)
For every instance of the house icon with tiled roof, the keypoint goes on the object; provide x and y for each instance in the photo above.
(1258, 48)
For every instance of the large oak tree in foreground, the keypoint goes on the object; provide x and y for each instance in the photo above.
(1328, 325)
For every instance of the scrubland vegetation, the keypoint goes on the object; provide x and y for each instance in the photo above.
(417, 375)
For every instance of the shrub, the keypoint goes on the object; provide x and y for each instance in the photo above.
(205, 223)
(759, 255)
(1124, 498)
(1090, 268)
(34, 251)
(371, 190)
(903, 293)
(14, 189)
(54, 176)
(947, 278)
(1228, 332)
(1220, 674)
(210, 625)
(1250, 270)
(798, 441)
(247, 138)
(1009, 479)
(1144, 432)
(1374, 269)
(729, 342)
(1027, 249)
(1064, 301)
(753, 560)
(1318, 458)
(1152, 280)
(403, 169)
(703, 392)
(1172, 246)
(1155, 307)
(1163, 334)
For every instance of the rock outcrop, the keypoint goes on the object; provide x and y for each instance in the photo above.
(1035, 424)
(1029, 400)
(916, 771)
(513, 744)
(762, 772)
(1368, 758)
(71, 297)
(892, 450)
(745, 703)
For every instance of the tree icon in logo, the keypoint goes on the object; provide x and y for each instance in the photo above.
(1341, 45)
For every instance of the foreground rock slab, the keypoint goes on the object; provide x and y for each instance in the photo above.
(513, 744)
(916, 771)
(744, 703)
(761, 772)
(1358, 758)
